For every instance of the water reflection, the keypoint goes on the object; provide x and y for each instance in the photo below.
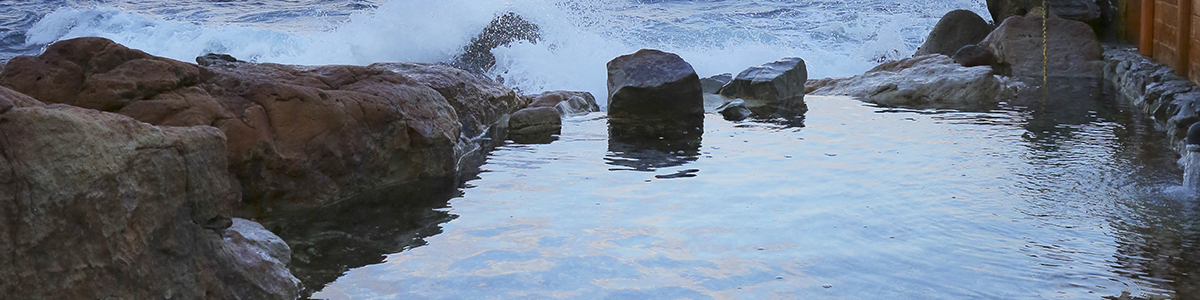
(327, 242)
(642, 147)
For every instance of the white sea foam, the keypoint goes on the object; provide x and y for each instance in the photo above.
(579, 36)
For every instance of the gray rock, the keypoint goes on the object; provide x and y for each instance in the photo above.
(974, 55)
(1079, 10)
(213, 59)
(712, 84)
(655, 93)
(930, 81)
(1073, 48)
(734, 110)
(568, 103)
(775, 84)
(246, 241)
(535, 125)
(956, 29)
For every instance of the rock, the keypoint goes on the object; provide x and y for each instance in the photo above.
(930, 81)
(775, 84)
(974, 55)
(99, 205)
(568, 103)
(298, 137)
(504, 30)
(265, 259)
(213, 59)
(535, 125)
(1074, 50)
(956, 29)
(655, 93)
(10, 99)
(734, 110)
(1079, 10)
(712, 84)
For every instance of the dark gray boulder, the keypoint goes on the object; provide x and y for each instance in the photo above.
(655, 88)
(956, 29)
(974, 55)
(734, 110)
(534, 125)
(778, 84)
(504, 30)
(712, 84)
(1018, 45)
(213, 59)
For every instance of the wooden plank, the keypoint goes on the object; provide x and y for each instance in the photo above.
(1184, 30)
(1146, 27)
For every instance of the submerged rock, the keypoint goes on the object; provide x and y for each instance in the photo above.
(1072, 49)
(297, 136)
(503, 30)
(713, 84)
(734, 110)
(101, 205)
(568, 103)
(778, 84)
(535, 125)
(956, 29)
(930, 81)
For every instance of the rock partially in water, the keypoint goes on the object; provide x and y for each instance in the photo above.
(974, 55)
(778, 84)
(956, 29)
(568, 103)
(654, 94)
(930, 81)
(1086, 11)
(503, 30)
(213, 59)
(535, 125)
(101, 205)
(298, 136)
(734, 110)
(1072, 47)
(713, 84)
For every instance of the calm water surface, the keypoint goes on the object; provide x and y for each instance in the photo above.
(860, 202)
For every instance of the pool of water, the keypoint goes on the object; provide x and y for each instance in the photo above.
(857, 202)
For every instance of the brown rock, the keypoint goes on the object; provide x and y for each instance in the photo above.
(954, 30)
(974, 55)
(535, 125)
(567, 103)
(297, 136)
(1071, 48)
(99, 205)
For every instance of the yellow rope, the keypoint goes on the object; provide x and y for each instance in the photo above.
(1045, 56)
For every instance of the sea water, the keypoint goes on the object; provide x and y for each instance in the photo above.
(854, 202)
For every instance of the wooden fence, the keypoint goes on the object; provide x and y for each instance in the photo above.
(1172, 37)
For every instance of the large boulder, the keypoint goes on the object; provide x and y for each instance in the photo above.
(98, 205)
(655, 91)
(974, 55)
(297, 136)
(778, 84)
(568, 103)
(1072, 49)
(713, 84)
(930, 81)
(956, 29)
(1086, 11)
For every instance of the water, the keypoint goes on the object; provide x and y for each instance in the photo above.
(858, 202)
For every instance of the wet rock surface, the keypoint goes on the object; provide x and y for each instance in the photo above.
(1073, 49)
(713, 84)
(99, 205)
(654, 94)
(1086, 11)
(535, 125)
(734, 110)
(974, 55)
(778, 84)
(1173, 102)
(930, 81)
(297, 136)
(956, 29)
(568, 103)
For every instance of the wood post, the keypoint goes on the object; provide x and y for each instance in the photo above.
(1146, 24)
(1185, 36)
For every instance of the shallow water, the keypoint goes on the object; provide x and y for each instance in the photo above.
(860, 202)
